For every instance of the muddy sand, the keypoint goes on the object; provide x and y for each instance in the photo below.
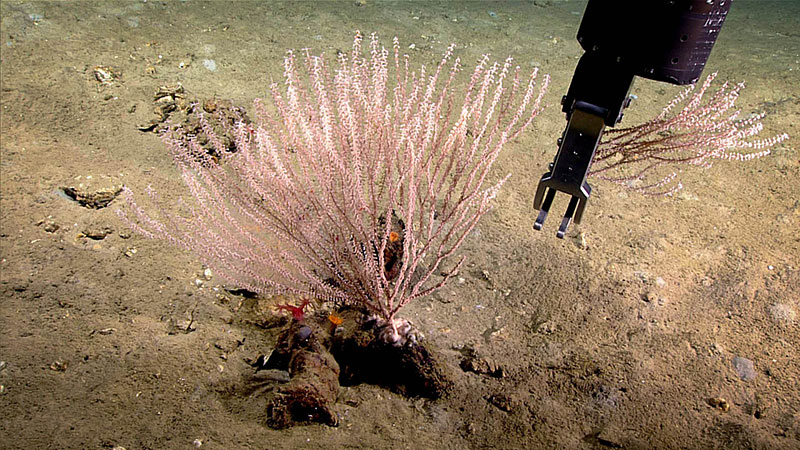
(660, 322)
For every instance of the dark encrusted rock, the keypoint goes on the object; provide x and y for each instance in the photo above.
(413, 369)
(313, 387)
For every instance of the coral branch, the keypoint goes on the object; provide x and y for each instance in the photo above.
(648, 157)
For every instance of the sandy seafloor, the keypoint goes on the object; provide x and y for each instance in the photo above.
(617, 338)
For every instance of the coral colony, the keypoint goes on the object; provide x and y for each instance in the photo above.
(348, 179)
(354, 183)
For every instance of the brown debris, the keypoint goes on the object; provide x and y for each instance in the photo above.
(311, 392)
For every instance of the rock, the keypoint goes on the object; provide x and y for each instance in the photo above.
(415, 369)
(472, 362)
(610, 437)
(719, 403)
(59, 365)
(210, 64)
(502, 402)
(744, 368)
(95, 199)
(580, 241)
(97, 232)
(313, 387)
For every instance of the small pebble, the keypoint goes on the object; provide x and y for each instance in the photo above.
(744, 368)
(207, 274)
(304, 332)
(59, 366)
(580, 241)
(719, 403)
(210, 64)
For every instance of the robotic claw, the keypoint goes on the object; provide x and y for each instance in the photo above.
(663, 40)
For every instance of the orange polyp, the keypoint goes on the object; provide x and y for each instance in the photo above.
(336, 320)
(394, 236)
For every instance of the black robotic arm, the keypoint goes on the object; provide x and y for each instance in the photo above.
(663, 40)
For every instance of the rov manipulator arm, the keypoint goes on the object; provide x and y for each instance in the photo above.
(663, 40)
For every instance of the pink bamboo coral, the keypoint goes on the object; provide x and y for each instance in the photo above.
(349, 177)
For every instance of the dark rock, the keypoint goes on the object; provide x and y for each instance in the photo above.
(413, 369)
(313, 387)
